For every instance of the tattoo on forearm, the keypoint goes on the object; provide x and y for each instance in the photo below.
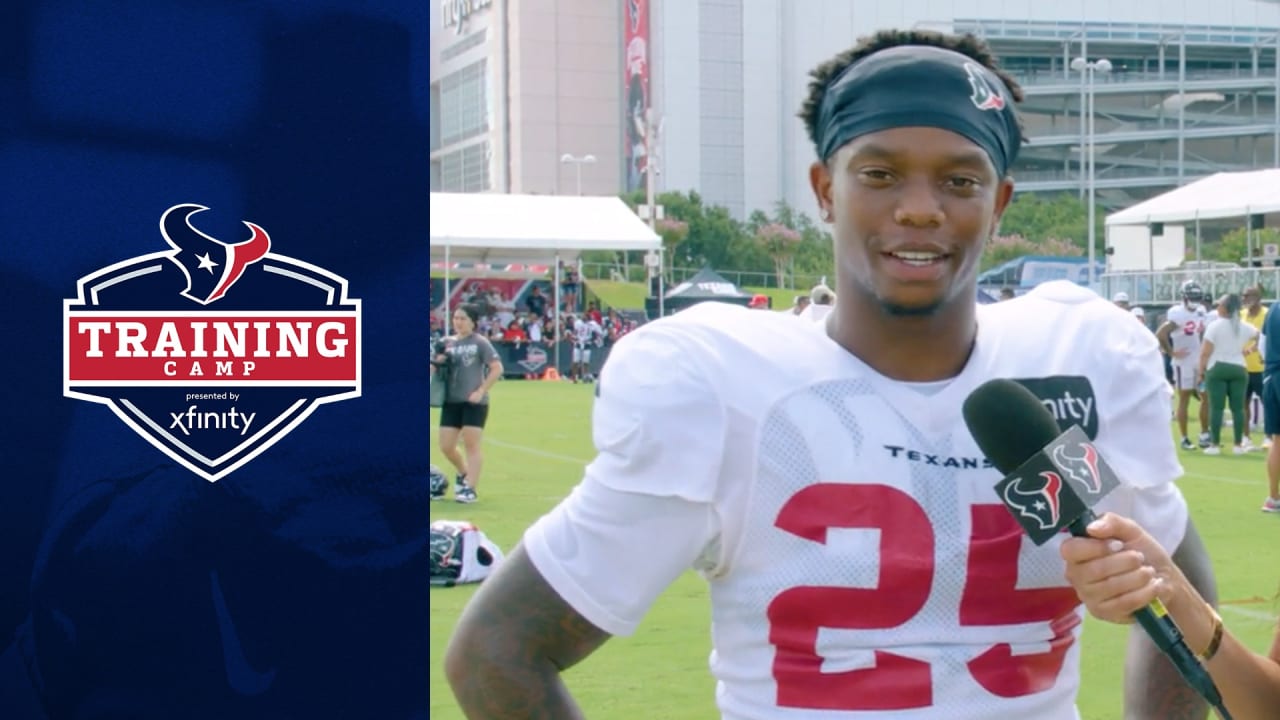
(519, 636)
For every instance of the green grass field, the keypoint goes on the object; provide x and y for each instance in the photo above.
(538, 441)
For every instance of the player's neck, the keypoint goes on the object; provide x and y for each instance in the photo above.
(921, 348)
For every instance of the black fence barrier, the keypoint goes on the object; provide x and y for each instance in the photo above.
(522, 359)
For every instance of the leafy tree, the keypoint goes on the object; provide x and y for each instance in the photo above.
(1003, 248)
(673, 232)
(1233, 246)
(1041, 217)
(780, 242)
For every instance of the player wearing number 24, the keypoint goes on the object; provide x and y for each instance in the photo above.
(820, 475)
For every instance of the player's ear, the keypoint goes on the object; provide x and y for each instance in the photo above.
(820, 181)
(1004, 195)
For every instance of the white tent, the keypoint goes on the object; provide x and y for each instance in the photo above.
(486, 227)
(1224, 195)
(498, 228)
(1219, 197)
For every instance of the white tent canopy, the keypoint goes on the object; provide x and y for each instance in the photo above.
(500, 228)
(1224, 195)
(490, 228)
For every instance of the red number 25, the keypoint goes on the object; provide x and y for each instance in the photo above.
(898, 682)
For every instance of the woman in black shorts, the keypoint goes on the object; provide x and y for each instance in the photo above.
(473, 366)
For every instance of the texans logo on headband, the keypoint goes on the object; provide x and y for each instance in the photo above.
(986, 96)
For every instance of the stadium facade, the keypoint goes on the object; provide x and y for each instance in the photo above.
(517, 84)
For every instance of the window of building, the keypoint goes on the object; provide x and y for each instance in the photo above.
(463, 106)
(463, 170)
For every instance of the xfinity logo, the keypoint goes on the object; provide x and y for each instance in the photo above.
(1070, 398)
(455, 12)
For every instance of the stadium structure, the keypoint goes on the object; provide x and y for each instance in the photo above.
(1191, 91)
(708, 90)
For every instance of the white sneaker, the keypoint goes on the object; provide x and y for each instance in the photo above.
(1213, 450)
(1239, 449)
(1271, 505)
(1247, 444)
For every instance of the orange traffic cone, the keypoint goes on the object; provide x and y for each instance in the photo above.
(551, 374)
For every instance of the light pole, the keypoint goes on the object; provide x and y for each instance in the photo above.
(1088, 71)
(577, 165)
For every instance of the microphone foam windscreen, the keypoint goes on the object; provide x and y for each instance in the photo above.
(1008, 422)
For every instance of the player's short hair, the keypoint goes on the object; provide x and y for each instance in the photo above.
(822, 76)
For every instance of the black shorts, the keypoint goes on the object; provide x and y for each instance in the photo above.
(463, 414)
(1255, 385)
(1271, 406)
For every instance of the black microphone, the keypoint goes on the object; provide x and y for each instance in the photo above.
(1052, 480)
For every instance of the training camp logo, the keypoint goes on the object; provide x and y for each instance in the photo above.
(986, 96)
(211, 351)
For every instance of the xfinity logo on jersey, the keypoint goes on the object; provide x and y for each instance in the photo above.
(212, 351)
(1069, 398)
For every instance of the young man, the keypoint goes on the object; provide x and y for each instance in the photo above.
(587, 334)
(1271, 405)
(1179, 338)
(820, 475)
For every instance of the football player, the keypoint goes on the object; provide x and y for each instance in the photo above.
(1179, 338)
(820, 475)
(587, 334)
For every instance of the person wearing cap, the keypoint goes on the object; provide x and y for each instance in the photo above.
(759, 302)
(1179, 337)
(1121, 299)
(820, 476)
(1141, 314)
(822, 302)
(1255, 314)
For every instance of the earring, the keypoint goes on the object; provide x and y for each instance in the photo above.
(826, 215)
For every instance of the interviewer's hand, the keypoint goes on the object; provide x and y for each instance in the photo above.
(476, 397)
(1119, 569)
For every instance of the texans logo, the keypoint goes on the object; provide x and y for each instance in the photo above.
(1083, 470)
(210, 266)
(986, 96)
(1043, 503)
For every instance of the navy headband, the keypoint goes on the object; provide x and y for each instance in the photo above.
(920, 86)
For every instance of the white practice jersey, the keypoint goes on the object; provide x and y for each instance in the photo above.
(587, 333)
(860, 563)
(1189, 327)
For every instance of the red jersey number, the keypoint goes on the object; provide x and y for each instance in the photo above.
(990, 597)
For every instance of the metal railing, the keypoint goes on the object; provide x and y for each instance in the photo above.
(1161, 287)
(801, 282)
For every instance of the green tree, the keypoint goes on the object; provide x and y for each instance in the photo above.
(1003, 248)
(1041, 217)
(1233, 246)
(673, 232)
(780, 242)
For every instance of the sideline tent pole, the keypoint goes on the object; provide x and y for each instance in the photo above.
(448, 316)
(662, 286)
(555, 291)
(1197, 235)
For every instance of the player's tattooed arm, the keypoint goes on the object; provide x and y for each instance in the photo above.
(1153, 689)
(512, 642)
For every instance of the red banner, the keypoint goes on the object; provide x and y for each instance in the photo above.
(635, 90)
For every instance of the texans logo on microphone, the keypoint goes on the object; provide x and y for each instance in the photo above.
(212, 351)
(1042, 504)
(1083, 470)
